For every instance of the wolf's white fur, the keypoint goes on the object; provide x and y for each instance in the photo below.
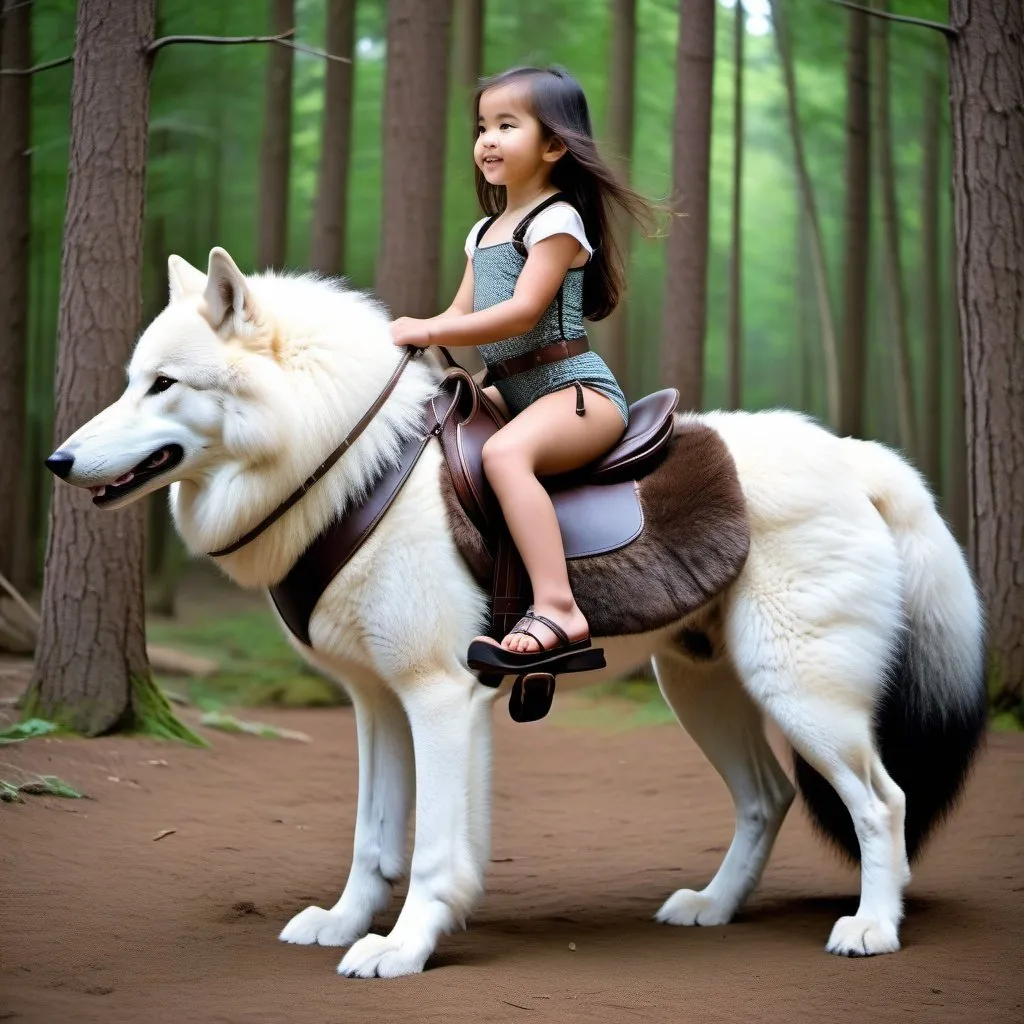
(846, 551)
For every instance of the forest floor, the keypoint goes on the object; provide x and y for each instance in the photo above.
(601, 811)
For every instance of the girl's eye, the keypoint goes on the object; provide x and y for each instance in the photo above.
(507, 125)
(160, 384)
(479, 129)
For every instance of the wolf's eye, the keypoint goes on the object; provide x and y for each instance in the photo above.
(160, 384)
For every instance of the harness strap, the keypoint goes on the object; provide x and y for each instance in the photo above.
(300, 491)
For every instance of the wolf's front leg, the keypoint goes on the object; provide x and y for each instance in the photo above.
(382, 815)
(446, 878)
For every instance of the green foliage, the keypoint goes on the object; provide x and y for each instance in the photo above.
(27, 729)
(39, 785)
(256, 664)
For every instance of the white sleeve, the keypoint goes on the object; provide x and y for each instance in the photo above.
(560, 219)
(471, 237)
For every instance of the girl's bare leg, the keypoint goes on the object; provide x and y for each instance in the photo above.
(545, 439)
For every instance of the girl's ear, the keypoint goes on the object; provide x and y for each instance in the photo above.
(555, 150)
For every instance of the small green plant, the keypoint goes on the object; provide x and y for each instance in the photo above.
(29, 728)
(39, 785)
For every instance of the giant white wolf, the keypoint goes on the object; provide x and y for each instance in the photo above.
(853, 624)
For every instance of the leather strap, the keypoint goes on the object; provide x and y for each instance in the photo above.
(318, 473)
(297, 594)
(555, 352)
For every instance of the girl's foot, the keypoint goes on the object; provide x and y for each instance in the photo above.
(542, 638)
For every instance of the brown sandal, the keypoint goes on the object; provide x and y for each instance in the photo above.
(488, 655)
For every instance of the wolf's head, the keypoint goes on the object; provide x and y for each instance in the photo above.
(208, 391)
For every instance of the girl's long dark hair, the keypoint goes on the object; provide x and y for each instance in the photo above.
(558, 103)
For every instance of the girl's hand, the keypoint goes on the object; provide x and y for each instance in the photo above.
(407, 330)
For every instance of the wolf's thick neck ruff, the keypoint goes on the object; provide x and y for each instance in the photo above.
(299, 493)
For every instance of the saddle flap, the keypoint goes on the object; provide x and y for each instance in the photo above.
(651, 421)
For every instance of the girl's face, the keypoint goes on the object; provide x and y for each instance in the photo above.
(511, 148)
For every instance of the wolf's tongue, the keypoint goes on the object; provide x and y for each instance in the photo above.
(121, 480)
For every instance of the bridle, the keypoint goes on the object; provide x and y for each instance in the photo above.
(408, 355)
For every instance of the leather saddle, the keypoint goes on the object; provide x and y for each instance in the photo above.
(598, 506)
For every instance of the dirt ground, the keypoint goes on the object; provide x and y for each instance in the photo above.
(593, 828)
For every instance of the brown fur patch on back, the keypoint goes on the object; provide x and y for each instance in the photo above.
(694, 543)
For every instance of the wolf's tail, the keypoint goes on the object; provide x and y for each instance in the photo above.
(931, 717)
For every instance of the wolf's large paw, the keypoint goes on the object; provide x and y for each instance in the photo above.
(863, 936)
(687, 907)
(384, 956)
(316, 926)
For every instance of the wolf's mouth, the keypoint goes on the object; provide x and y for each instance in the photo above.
(160, 462)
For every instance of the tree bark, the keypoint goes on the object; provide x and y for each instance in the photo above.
(15, 112)
(91, 671)
(858, 223)
(408, 268)
(275, 152)
(817, 249)
(611, 335)
(683, 322)
(986, 79)
(930, 438)
(328, 248)
(734, 361)
(894, 284)
(468, 25)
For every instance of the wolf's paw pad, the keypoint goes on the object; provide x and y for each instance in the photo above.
(316, 926)
(383, 956)
(863, 936)
(687, 907)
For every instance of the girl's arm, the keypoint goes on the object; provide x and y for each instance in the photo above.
(541, 277)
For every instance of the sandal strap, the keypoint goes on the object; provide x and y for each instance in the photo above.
(553, 626)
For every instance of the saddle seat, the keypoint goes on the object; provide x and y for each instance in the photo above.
(475, 418)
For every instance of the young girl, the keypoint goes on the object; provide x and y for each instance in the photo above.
(542, 260)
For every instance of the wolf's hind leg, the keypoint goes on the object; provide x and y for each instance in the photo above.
(382, 813)
(819, 682)
(713, 708)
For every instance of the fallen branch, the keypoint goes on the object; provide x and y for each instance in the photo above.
(906, 19)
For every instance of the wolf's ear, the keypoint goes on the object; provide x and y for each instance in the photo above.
(183, 278)
(227, 292)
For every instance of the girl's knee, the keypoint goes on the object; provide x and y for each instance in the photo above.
(503, 456)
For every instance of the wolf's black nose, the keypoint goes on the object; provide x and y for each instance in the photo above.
(60, 463)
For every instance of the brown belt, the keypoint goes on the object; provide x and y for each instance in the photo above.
(552, 353)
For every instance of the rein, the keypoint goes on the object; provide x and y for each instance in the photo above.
(296, 495)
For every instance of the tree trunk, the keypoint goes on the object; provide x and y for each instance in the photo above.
(408, 268)
(15, 110)
(817, 248)
(930, 438)
(734, 361)
(328, 249)
(683, 321)
(986, 79)
(612, 334)
(858, 222)
(957, 496)
(275, 152)
(893, 264)
(468, 24)
(91, 671)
